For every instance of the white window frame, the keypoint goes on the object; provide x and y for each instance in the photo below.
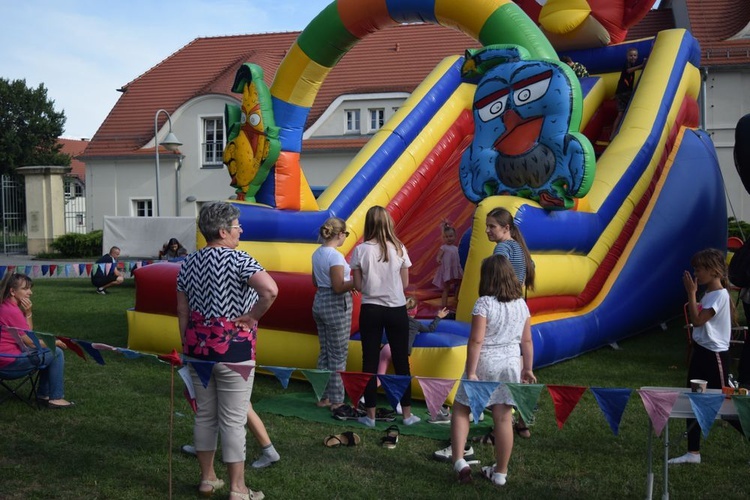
(352, 121)
(135, 209)
(212, 150)
(376, 122)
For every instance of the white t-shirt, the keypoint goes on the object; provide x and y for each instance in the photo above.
(323, 259)
(715, 334)
(381, 281)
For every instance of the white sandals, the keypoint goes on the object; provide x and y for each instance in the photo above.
(497, 478)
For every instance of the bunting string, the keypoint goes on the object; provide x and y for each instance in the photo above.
(612, 402)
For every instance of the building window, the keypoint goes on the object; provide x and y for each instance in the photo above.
(143, 208)
(377, 118)
(213, 142)
(73, 189)
(352, 120)
(79, 219)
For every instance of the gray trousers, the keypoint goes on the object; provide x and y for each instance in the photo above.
(222, 410)
(333, 316)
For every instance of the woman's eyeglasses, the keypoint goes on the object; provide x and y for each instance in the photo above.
(238, 226)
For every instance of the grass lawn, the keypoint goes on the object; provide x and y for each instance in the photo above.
(115, 444)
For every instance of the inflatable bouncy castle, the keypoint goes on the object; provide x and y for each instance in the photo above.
(610, 225)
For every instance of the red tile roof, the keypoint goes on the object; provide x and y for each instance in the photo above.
(654, 22)
(395, 59)
(75, 147)
(713, 23)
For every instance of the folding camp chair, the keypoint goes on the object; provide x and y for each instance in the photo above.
(21, 383)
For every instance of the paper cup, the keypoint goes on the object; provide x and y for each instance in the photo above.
(698, 385)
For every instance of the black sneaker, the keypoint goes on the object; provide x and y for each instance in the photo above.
(101, 291)
(346, 412)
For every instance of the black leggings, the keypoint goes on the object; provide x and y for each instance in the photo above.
(373, 319)
(709, 366)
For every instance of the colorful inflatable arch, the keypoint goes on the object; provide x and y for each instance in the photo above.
(606, 269)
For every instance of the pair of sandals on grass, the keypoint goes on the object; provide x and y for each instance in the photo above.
(350, 438)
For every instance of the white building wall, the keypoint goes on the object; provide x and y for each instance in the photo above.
(727, 100)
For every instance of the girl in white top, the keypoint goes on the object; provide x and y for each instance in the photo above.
(712, 329)
(380, 270)
(332, 307)
(500, 322)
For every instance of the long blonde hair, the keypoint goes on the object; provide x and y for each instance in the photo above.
(379, 227)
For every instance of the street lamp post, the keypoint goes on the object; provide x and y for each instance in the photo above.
(170, 142)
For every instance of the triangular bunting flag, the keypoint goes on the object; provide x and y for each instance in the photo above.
(478, 392)
(612, 403)
(173, 358)
(526, 397)
(36, 271)
(658, 405)
(45, 269)
(203, 369)
(282, 373)
(189, 391)
(29, 271)
(435, 392)
(2, 270)
(394, 387)
(354, 384)
(70, 343)
(318, 380)
(107, 267)
(705, 407)
(48, 339)
(53, 269)
(742, 405)
(243, 369)
(86, 268)
(565, 398)
(94, 353)
(129, 354)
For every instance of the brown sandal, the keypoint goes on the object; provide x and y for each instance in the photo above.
(347, 438)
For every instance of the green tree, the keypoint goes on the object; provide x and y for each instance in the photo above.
(29, 127)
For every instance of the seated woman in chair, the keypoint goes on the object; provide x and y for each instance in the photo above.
(15, 312)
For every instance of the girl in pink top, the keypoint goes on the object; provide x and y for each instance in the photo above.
(449, 273)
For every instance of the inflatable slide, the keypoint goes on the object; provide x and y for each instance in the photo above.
(606, 269)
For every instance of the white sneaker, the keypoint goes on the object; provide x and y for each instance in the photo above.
(497, 478)
(687, 458)
(463, 470)
(412, 420)
(366, 421)
(446, 454)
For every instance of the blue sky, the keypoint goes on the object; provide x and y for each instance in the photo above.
(83, 50)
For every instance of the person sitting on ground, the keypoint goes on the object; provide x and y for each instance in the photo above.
(103, 277)
(15, 312)
(578, 68)
(171, 249)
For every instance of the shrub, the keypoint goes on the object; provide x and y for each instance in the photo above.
(79, 245)
(738, 228)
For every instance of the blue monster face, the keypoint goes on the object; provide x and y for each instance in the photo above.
(522, 145)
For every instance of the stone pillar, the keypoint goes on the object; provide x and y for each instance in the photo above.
(45, 206)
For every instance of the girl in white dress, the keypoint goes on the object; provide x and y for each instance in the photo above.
(500, 322)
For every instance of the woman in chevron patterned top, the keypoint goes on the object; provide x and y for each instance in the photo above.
(221, 295)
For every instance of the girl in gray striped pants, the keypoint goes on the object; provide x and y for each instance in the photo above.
(332, 307)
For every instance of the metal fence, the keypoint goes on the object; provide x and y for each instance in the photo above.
(13, 205)
(75, 205)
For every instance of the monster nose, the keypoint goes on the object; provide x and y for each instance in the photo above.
(520, 134)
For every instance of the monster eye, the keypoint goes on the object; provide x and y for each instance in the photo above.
(491, 109)
(254, 119)
(243, 118)
(531, 89)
